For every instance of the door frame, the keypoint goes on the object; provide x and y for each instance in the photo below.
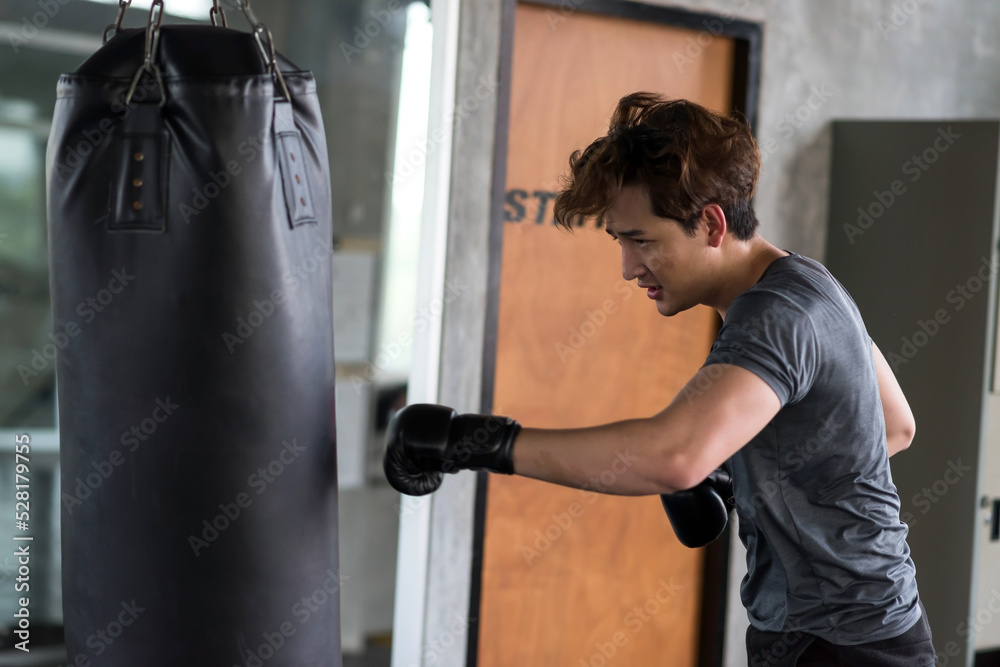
(747, 37)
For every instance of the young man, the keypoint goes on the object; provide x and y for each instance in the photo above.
(794, 413)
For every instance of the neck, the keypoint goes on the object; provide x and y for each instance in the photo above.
(744, 264)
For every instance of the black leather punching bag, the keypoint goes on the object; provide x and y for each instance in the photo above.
(190, 247)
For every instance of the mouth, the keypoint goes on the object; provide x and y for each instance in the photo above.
(652, 291)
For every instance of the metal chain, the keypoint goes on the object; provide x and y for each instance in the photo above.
(149, 57)
(113, 29)
(265, 42)
(218, 15)
(262, 35)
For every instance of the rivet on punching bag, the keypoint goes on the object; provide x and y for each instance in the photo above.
(191, 266)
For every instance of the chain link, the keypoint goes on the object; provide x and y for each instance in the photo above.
(113, 29)
(218, 15)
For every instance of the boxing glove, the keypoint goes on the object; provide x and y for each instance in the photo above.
(700, 514)
(424, 441)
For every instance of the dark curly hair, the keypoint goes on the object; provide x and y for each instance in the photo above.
(685, 155)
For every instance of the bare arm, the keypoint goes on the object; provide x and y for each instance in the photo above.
(720, 410)
(899, 424)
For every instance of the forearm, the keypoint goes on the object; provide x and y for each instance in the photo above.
(626, 458)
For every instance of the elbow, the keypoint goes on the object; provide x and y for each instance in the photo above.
(906, 437)
(679, 473)
(908, 432)
(901, 438)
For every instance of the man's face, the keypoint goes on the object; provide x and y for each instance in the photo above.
(658, 253)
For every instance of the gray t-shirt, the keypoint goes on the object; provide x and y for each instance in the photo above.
(818, 512)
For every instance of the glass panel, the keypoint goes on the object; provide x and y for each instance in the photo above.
(27, 352)
(28, 341)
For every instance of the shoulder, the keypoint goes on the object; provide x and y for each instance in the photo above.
(791, 286)
(794, 275)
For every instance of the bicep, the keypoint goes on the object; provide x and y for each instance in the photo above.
(719, 411)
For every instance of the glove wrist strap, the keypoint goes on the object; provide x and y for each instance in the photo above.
(483, 441)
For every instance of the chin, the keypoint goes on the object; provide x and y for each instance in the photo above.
(670, 309)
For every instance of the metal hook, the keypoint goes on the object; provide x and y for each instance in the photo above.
(115, 27)
(265, 42)
(149, 57)
(244, 6)
(270, 57)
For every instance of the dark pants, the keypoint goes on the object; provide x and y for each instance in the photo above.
(913, 648)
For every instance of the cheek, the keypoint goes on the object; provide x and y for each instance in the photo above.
(658, 261)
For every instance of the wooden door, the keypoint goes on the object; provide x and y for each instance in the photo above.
(570, 577)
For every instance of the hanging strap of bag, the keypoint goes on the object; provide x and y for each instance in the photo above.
(143, 135)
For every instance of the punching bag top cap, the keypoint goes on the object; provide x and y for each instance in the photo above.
(184, 50)
(178, 52)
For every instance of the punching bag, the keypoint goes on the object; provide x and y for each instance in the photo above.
(190, 243)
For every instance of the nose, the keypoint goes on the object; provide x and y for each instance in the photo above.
(632, 266)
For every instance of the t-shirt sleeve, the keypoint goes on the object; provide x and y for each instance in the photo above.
(773, 338)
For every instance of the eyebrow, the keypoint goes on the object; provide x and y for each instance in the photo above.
(630, 233)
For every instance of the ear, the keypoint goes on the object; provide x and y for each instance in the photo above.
(715, 224)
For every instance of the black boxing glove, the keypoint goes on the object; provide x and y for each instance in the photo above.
(424, 441)
(699, 515)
